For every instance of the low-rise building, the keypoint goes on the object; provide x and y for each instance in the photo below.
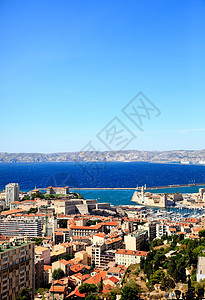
(86, 230)
(83, 255)
(117, 271)
(43, 253)
(57, 190)
(63, 265)
(128, 257)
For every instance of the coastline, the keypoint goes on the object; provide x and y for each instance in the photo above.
(102, 161)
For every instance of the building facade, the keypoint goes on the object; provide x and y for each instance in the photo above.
(12, 193)
(16, 268)
(161, 229)
(128, 257)
(21, 226)
(57, 190)
(136, 240)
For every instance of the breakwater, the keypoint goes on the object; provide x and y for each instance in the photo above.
(137, 188)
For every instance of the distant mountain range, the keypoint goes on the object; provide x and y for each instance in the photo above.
(175, 156)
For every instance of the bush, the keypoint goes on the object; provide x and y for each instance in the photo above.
(58, 274)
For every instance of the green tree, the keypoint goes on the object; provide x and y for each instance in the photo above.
(32, 210)
(181, 236)
(156, 242)
(58, 274)
(142, 262)
(66, 257)
(157, 277)
(90, 297)
(92, 222)
(24, 294)
(202, 233)
(113, 294)
(130, 291)
(62, 223)
(171, 266)
(87, 288)
(100, 287)
(158, 261)
(167, 283)
(181, 270)
(38, 241)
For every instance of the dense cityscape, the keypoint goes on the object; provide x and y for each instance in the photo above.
(57, 245)
(102, 156)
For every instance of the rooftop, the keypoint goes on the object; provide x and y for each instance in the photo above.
(8, 246)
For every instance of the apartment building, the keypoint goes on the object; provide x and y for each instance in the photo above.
(151, 229)
(95, 252)
(12, 193)
(16, 268)
(161, 229)
(30, 227)
(102, 249)
(86, 230)
(128, 257)
(136, 240)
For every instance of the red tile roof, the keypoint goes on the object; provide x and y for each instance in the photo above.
(57, 289)
(97, 278)
(97, 226)
(113, 279)
(131, 252)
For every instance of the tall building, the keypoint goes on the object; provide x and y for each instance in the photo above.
(201, 192)
(16, 268)
(12, 193)
(136, 240)
(161, 229)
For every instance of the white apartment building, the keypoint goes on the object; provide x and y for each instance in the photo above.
(30, 227)
(161, 229)
(12, 193)
(128, 257)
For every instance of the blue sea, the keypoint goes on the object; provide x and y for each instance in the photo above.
(102, 175)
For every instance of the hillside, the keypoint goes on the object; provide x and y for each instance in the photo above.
(175, 156)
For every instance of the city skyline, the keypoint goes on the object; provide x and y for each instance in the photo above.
(68, 69)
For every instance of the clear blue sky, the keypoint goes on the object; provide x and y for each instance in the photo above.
(67, 68)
